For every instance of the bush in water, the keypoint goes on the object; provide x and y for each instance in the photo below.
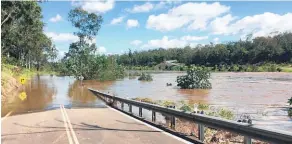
(196, 78)
(145, 77)
(290, 101)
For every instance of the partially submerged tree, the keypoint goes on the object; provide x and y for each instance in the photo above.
(196, 78)
(145, 77)
(82, 58)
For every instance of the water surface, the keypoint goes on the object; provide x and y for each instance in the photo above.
(262, 95)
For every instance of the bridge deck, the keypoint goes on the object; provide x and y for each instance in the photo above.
(100, 125)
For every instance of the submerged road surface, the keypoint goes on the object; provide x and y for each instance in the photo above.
(80, 126)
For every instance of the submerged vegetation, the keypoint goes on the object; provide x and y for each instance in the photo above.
(83, 59)
(145, 77)
(290, 109)
(196, 78)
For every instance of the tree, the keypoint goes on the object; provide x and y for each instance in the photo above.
(270, 49)
(22, 33)
(82, 59)
(88, 24)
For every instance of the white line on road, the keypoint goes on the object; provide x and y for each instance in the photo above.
(70, 126)
(66, 127)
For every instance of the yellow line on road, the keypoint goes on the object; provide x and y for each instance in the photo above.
(70, 126)
(66, 127)
(7, 115)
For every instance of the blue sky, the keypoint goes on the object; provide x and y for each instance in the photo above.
(151, 24)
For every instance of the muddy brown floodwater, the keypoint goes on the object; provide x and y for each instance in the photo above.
(262, 95)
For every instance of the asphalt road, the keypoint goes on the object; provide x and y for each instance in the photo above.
(80, 126)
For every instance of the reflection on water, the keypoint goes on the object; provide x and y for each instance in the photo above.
(39, 95)
(48, 92)
(81, 97)
(253, 93)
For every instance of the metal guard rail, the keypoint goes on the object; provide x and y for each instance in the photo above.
(249, 131)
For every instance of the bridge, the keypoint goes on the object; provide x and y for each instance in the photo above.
(125, 121)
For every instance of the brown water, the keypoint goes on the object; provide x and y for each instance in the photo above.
(259, 94)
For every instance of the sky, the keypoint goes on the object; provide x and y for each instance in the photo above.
(143, 25)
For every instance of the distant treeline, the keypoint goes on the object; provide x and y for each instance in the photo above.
(275, 49)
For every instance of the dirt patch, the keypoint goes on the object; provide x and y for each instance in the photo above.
(9, 86)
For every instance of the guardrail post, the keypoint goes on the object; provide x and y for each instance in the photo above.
(201, 132)
(122, 105)
(130, 108)
(172, 120)
(247, 140)
(140, 112)
(153, 116)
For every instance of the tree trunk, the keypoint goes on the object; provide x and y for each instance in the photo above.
(29, 62)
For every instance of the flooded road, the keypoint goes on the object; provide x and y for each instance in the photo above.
(260, 94)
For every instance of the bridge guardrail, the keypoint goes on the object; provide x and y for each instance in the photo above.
(248, 131)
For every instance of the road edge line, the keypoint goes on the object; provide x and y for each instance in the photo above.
(66, 127)
(70, 126)
(155, 128)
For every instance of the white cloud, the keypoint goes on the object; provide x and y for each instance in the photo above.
(101, 50)
(164, 22)
(141, 8)
(62, 37)
(219, 25)
(136, 42)
(166, 42)
(216, 40)
(117, 20)
(193, 38)
(259, 25)
(56, 18)
(132, 23)
(195, 15)
(147, 7)
(96, 6)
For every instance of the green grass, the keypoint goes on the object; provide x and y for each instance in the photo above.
(11, 71)
(286, 69)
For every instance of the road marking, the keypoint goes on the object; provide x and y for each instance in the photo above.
(155, 128)
(66, 127)
(70, 126)
(7, 115)
(58, 138)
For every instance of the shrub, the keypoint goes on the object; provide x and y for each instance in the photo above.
(196, 78)
(168, 103)
(234, 68)
(290, 112)
(145, 77)
(290, 101)
(176, 68)
(203, 106)
(223, 113)
(186, 107)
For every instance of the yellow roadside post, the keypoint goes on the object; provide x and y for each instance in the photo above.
(22, 95)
